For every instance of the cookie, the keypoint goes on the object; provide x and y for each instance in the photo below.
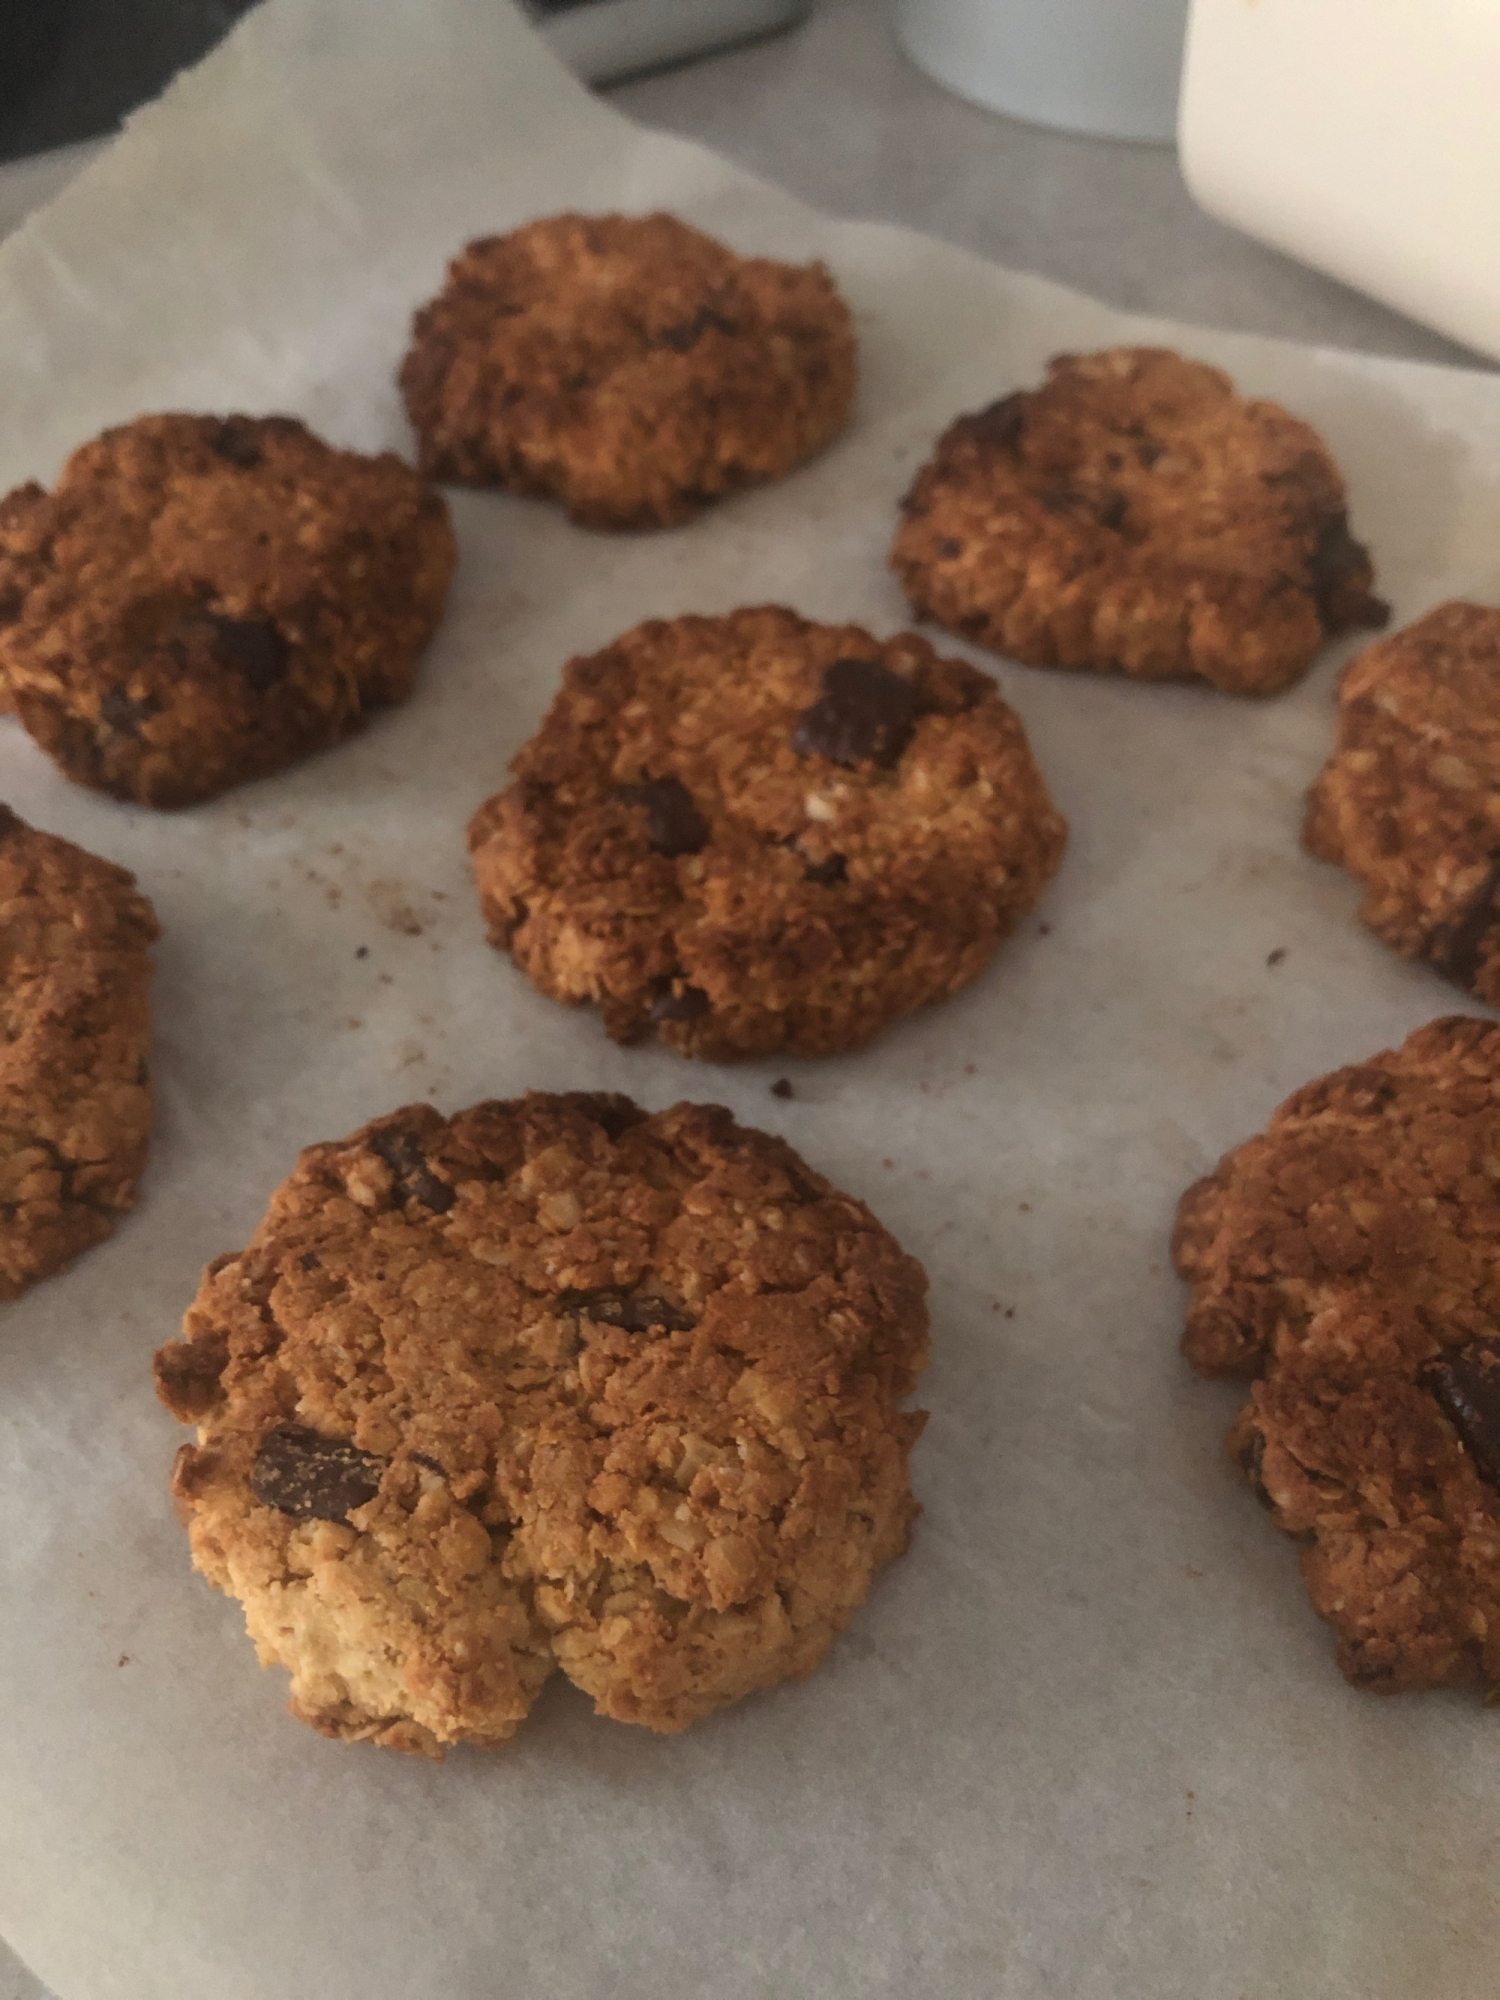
(1134, 515)
(1350, 1259)
(75, 1077)
(549, 1384)
(628, 366)
(753, 833)
(204, 600)
(1409, 802)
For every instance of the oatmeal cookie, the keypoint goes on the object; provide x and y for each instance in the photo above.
(753, 833)
(204, 600)
(552, 1383)
(626, 365)
(1350, 1259)
(1134, 515)
(1409, 802)
(75, 1079)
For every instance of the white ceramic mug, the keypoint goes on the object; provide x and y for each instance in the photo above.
(1107, 67)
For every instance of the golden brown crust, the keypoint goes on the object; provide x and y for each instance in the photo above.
(628, 366)
(75, 1035)
(1350, 1258)
(205, 600)
(1134, 515)
(549, 1383)
(817, 901)
(1409, 802)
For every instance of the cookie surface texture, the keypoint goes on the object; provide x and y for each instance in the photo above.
(205, 600)
(753, 833)
(628, 366)
(75, 1080)
(1134, 515)
(550, 1384)
(1409, 802)
(1350, 1259)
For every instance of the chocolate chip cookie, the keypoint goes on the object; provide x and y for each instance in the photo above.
(1134, 515)
(549, 1384)
(754, 833)
(1350, 1259)
(628, 366)
(75, 1077)
(1409, 802)
(204, 600)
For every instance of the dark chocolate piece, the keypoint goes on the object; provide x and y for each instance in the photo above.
(636, 1312)
(833, 868)
(864, 715)
(674, 824)
(1001, 424)
(312, 1477)
(415, 1180)
(1467, 1387)
(252, 647)
(121, 715)
(237, 442)
(691, 1004)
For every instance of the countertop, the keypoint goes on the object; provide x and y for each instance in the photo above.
(834, 112)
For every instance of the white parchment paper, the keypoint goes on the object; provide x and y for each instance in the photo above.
(1087, 1740)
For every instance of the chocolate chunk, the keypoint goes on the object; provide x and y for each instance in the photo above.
(253, 647)
(250, 647)
(237, 441)
(309, 1261)
(1467, 1387)
(833, 868)
(311, 1477)
(864, 715)
(782, 1087)
(421, 1458)
(414, 1179)
(690, 1004)
(674, 824)
(949, 547)
(612, 1113)
(1001, 424)
(142, 1071)
(122, 716)
(688, 333)
(1339, 575)
(636, 1312)
(10, 823)
(1111, 509)
(1459, 948)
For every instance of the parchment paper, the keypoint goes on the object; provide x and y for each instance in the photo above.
(1087, 1739)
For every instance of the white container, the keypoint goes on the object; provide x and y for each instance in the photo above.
(1105, 67)
(604, 39)
(1362, 136)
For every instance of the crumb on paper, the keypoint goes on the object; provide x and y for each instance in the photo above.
(392, 905)
(782, 1087)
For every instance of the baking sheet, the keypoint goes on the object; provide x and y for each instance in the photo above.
(1087, 1739)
